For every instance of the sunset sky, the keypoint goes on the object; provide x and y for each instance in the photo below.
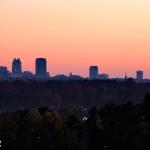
(73, 34)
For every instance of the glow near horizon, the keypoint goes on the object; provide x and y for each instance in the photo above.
(72, 35)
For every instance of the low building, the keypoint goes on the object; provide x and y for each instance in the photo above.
(27, 74)
(4, 73)
(103, 76)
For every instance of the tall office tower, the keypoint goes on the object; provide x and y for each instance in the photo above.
(139, 75)
(41, 67)
(93, 72)
(16, 67)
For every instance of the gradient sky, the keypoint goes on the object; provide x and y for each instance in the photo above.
(73, 34)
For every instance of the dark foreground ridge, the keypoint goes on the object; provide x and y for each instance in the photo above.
(16, 95)
(113, 127)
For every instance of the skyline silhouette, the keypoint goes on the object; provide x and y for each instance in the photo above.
(74, 74)
(76, 34)
(41, 70)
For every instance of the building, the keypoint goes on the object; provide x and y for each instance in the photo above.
(93, 72)
(16, 67)
(60, 77)
(27, 74)
(75, 77)
(41, 67)
(47, 75)
(139, 75)
(103, 76)
(4, 72)
(3, 69)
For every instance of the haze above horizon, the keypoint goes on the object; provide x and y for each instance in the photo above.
(72, 35)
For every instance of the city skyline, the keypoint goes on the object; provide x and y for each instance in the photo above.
(41, 65)
(74, 74)
(76, 34)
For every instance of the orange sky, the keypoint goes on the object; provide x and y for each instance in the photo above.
(73, 34)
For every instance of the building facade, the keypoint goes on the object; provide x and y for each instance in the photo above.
(103, 76)
(16, 67)
(93, 72)
(139, 75)
(41, 67)
(4, 72)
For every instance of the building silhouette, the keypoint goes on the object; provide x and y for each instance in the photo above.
(93, 72)
(27, 74)
(16, 67)
(139, 75)
(4, 72)
(103, 76)
(41, 67)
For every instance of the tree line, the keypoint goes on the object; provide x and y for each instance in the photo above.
(112, 127)
(16, 95)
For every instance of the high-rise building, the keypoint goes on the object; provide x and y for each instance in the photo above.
(16, 67)
(93, 72)
(139, 75)
(41, 67)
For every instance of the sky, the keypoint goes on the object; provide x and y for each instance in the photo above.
(74, 34)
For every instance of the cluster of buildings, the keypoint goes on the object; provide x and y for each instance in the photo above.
(94, 74)
(40, 69)
(41, 72)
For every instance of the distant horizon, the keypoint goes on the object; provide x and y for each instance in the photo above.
(72, 35)
(61, 73)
